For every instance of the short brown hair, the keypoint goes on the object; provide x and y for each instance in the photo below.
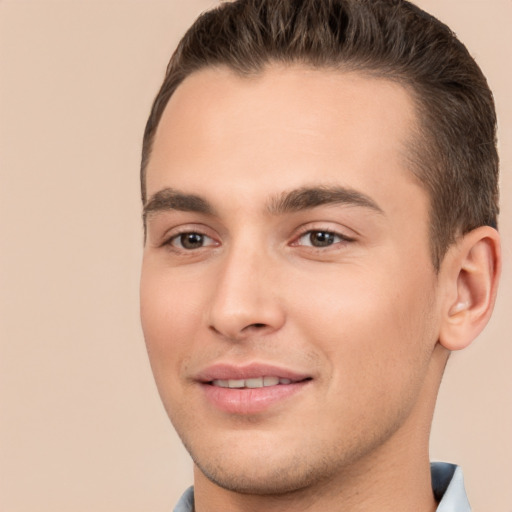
(455, 157)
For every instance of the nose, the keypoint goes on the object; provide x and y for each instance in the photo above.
(246, 300)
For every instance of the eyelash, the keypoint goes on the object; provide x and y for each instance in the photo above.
(180, 235)
(333, 238)
(329, 232)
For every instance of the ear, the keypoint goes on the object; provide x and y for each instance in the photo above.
(470, 273)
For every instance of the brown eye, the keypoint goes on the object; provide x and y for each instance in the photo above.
(319, 238)
(190, 241)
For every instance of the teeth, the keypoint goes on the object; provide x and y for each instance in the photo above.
(270, 381)
(257, 382)
(254, 383)
(236, 383)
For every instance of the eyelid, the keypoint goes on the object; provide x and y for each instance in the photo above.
(180, 246)
(337, 239)
(199, 229)
(311, 228)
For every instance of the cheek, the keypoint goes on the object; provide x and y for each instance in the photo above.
(374, 329)
(169, 312)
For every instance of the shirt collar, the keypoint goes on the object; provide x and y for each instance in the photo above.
(448, 487)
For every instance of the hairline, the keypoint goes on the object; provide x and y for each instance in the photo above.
(415, 158)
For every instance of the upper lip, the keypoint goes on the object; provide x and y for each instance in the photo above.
(226, 371)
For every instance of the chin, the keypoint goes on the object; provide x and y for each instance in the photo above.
(266, 466)
(261, 477)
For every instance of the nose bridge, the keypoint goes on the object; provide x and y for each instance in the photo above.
(246, 297)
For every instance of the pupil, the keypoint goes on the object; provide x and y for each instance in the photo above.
(321, 238)
(191, 240)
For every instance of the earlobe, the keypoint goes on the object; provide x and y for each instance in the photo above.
(470, 271)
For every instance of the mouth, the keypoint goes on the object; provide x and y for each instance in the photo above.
(250, 389)
(257, 382)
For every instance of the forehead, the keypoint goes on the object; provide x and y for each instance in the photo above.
(280, 123)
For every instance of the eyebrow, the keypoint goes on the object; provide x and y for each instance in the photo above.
(171, 199)
(306, 198)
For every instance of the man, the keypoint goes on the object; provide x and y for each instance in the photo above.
(319, 180)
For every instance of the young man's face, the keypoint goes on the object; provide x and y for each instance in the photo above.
(287, 247)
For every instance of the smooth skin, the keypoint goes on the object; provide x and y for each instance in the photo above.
(343, 291)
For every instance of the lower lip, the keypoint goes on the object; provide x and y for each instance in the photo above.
(250, 400)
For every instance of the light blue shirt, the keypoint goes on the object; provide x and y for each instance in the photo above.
(447, 484)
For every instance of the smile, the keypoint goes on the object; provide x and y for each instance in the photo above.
(252, 388)
(257, 382)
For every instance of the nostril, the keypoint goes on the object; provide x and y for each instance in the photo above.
(254, 327)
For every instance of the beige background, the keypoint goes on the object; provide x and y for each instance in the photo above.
(81, 426)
